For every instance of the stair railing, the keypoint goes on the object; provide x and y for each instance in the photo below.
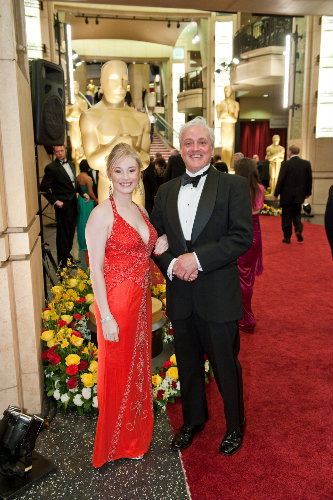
(165, 130)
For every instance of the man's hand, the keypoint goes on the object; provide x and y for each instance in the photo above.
(59, 203)
(186, 267)
(87, 197)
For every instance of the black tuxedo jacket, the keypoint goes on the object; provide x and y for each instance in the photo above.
(295, 181)
(222, 231)
(57, 185)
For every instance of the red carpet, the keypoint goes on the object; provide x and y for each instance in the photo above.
(288, 391)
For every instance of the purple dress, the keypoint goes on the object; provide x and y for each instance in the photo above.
(250, 266)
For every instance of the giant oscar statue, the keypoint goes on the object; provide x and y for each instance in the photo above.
(275, 156)
(109, 122)
(227, 113)
(73, 113)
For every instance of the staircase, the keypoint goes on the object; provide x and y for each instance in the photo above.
(157, 146)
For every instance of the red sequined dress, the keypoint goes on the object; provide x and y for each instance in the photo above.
(125, 422)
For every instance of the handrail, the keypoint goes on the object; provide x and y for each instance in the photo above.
(84, 97)
(191, 80)
(165, 129)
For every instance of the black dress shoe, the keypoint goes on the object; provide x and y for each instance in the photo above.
(232, 441)
(184, 436)
(299, 237)
(286, 240)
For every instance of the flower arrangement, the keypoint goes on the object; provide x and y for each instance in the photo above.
(270, 210)
(70, 359)
(166, 385)
(158, 291)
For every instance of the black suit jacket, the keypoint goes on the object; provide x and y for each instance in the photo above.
(329, 218)
(295, 181)
(222, 231)
(175, 167)
(57, 185)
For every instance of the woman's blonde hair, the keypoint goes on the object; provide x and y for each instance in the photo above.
(120, 151)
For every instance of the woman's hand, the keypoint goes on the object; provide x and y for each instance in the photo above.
(161, 245)
(111, 330)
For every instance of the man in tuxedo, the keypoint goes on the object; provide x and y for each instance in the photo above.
(175, 166)
(59, 186)
(294, 184)
(206, 216)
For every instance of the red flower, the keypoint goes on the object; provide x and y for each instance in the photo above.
(77, 334)
(88, 314)
(174, 385)
(55, 359)
(44, 330)
(167, 364)
(45, 355)
(61, 323)
(205, 357)
(46, 309)
(170, 331)
(77, 316)
(160, 394)
(51, 351)
(71, 324)
(72, 369)
(162, 374)
(95, 354)
(81, 299)
(83, 365)
(71, 382)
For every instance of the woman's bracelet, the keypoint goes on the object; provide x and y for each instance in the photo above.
(107, 318)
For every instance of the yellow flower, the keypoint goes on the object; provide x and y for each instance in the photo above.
(69, 306)
(161, 287)
(64, 344)
(65, 296)
(72, 359)
(81, 286)
(67, 318)
(50, 343)
(47, 335)
(94, 377)
(93, 366)
(54, 315)
(87, 379)
(85, 350)
(173, 372)
(46, 315)
(56, 289)
(156, 380)
(173, 359)
(89, 282)
(77, 341)
(89, 298)
(72, 282)
(164, 302)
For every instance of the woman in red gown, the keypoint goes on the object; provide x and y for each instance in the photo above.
(120, 240)
(250, 263)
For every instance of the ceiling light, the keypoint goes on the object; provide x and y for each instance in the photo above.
(235, 60)
(196, 38)
(265, 95)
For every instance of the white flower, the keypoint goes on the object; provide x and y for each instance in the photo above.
(94, 389)
(206, 365)
(64, 398)
(95, 402)
(77, 400)
(56, 394)
(86, 392)
(73, 390)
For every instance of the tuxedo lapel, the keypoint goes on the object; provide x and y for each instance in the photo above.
(206, 203)
(172, 212)
(64, 173)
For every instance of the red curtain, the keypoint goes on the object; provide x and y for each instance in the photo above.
(256, 136)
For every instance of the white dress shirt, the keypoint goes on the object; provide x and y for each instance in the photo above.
(188, 201)
(69, 171)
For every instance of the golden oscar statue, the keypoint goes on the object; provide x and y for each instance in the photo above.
(73, 113)
(275, 156)
(227, 113)
(110, 122)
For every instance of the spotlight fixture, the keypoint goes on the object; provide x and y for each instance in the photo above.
(178, 24)
(235, 61)
(265, 95)
(87, 20)
(169, 24)
(96, 20)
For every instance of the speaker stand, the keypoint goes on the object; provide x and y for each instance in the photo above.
(12, 485)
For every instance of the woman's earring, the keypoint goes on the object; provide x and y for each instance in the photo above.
(110, 190)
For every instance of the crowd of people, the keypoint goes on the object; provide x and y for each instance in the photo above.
(201, 227)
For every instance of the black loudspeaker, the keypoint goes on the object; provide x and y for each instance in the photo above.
(48, 102)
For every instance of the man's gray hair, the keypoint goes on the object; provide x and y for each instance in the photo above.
(197, 121)
(240, 156)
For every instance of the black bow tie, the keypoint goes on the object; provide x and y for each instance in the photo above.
(186, 179)
(63, 162)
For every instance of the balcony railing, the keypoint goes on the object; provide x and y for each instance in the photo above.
(191, 80)
(269, 31)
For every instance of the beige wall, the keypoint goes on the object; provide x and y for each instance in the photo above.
(21, 285)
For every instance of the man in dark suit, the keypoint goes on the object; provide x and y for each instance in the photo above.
(175, 166)
(206, 216)
(294, 184)
(59, 186)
